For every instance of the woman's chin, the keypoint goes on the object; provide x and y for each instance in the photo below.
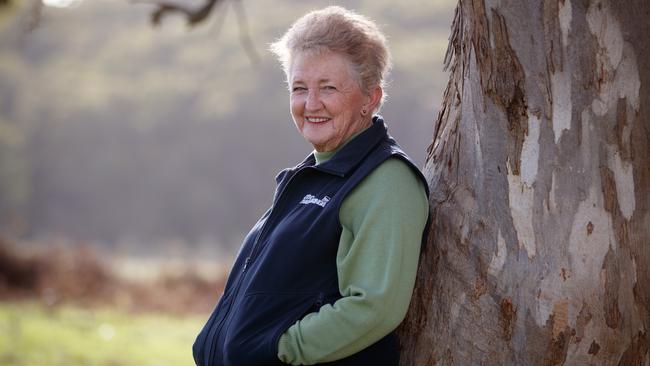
(319, 144)
(316, 136)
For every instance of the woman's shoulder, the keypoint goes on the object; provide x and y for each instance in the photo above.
(393, 172)
(393, 189)
(392, 180)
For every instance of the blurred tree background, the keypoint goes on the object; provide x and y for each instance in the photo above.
(126, 135)
(134, 158)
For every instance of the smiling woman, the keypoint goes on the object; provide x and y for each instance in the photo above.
(327, 273)
(327, 104)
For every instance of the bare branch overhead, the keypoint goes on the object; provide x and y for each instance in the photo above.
(198, 15)
(193, 16)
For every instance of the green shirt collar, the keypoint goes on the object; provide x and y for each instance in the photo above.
(324, 156)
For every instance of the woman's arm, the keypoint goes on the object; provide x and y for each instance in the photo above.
(383, 220)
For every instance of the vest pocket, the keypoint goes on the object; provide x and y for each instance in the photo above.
(317, 301)
(259, 321)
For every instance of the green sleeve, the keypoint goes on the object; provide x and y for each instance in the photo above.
(383, 220)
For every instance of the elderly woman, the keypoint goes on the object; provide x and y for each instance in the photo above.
(327, 273)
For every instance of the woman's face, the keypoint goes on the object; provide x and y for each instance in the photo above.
(326, 100)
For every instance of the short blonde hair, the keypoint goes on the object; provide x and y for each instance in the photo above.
(339, 30)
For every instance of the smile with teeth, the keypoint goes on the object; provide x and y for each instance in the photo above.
(316, 119)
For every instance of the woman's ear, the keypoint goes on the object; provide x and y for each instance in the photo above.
(373, 98)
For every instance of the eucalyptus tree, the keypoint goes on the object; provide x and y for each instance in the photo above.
(539, 251)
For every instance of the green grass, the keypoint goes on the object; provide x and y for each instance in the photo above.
(32, 335)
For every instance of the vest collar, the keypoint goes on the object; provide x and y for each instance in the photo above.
(354, 151)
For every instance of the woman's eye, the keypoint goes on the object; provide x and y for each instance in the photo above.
(329, 87)
(296, 89)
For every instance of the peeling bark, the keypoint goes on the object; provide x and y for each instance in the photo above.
(508, 318)
(612, 283)
(594, 348)
(507, 89)
(540, 177)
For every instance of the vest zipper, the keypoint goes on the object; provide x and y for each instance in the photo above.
(320, 300)
(263, 230)
(217, 330)
(247, 261)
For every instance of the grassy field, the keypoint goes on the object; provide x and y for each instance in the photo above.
(31, 334)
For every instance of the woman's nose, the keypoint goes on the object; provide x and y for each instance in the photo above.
(313, 101)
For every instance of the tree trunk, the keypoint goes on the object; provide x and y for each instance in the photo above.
(539, 251)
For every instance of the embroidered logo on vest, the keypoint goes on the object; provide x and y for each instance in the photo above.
(311, 199)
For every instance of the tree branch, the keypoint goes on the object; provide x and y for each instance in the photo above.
(193, 16)
(244, 34)
(200, 14)
(33, 18)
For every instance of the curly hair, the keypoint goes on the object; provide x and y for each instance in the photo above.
(336, 29)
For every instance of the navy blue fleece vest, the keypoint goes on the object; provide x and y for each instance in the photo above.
(286, 267)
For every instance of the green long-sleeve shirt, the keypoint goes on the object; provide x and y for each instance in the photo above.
(382, 221)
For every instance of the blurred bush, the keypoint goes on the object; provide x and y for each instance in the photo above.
(79, 276)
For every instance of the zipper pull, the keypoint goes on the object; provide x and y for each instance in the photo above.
(248, 260)
(320, 300)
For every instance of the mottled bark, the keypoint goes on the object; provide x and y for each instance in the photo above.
(539, 251)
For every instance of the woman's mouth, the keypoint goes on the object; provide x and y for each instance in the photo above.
(317, 119)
